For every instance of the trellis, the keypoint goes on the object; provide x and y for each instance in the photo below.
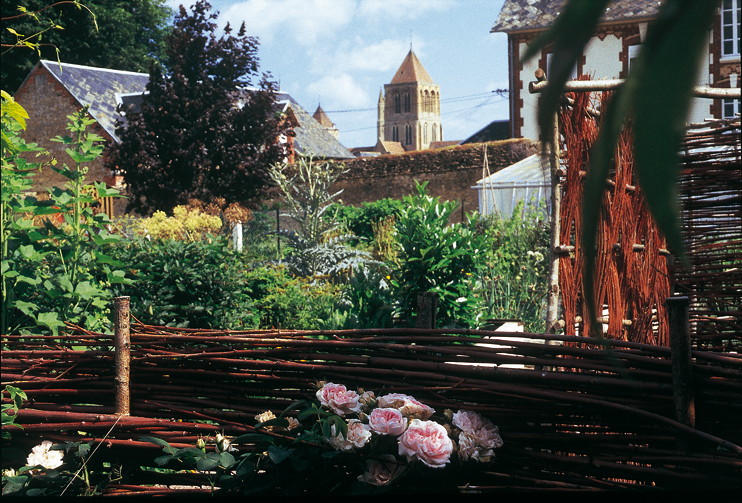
(635, 273)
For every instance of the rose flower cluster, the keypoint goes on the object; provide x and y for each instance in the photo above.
(418, 438)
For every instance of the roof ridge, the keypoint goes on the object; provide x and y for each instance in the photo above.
(411, 70)
(96, 68)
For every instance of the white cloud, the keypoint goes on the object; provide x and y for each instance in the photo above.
(339, 91)
(410, 9)
(304, 21)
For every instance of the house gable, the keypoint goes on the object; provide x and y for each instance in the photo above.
(608, 55)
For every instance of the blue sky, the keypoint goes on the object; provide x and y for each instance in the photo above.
(340, 53)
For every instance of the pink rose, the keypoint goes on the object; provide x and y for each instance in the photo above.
(382, 471)
(387, 421)
(427, 441)
(339, 399)
(467, 420)
(406, 404)
(358, 435)
(478, 436)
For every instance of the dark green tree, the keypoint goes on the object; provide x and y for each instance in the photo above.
(200, 133)
(128, 34)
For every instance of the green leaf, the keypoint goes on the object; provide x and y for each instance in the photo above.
(158, 441)
(51, 321)
(206, 464)
(252, 438)
(278, 454)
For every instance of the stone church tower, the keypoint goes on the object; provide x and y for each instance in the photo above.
(410, 107)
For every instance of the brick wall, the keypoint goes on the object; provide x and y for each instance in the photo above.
(48, 104)
(451, 172)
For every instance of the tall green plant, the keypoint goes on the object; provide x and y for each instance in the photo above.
(55, 273)
(437, 257)
(21, 255)
(307, 192)
(514, 282)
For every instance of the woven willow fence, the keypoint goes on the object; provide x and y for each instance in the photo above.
(570, 417)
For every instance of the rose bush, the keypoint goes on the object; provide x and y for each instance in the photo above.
(42, 455)
(358, 435)
(401, 422)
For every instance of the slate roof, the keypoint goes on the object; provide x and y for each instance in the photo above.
(411, 70)
(495, 130)
(517, 15)
(98, 88)
(311, 137)
(103, 89)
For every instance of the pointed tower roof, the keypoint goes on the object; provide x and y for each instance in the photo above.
(321, 117)
(411, 70)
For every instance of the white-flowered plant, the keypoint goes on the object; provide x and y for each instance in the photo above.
(43, 456)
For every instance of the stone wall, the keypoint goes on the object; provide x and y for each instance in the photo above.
(451, 172)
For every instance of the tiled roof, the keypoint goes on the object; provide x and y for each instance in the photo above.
(311, 137)
(411, 70)
(518, 15)
(390, 147)
(321, 117)
(98, 87)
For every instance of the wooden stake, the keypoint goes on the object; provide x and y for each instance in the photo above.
(123, 348)
(682, 377)
(552, 306)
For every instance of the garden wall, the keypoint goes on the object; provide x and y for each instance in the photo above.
(451, 172)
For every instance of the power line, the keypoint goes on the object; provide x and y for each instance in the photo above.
(457, 99)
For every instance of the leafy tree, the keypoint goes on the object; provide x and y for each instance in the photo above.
(101, 33)
(200, 134)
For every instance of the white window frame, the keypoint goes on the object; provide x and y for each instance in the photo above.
(725, 104)
(730, 9)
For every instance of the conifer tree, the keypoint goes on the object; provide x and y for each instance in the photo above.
(200, 134)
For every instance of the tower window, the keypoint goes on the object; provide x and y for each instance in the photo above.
(408, 135)
(397, 104)
(407, 102)
(395, 133)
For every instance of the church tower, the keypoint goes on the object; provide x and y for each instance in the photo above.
(409, 108)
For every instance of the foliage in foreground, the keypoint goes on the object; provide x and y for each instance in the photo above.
(56, 262)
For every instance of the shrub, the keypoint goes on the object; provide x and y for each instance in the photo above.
(318, 250)
(437, 257)
(360, 220)
(197, 284)
(283, 300)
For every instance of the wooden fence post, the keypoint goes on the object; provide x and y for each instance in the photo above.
(680, 352)
(427, 309)
(122, 346)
